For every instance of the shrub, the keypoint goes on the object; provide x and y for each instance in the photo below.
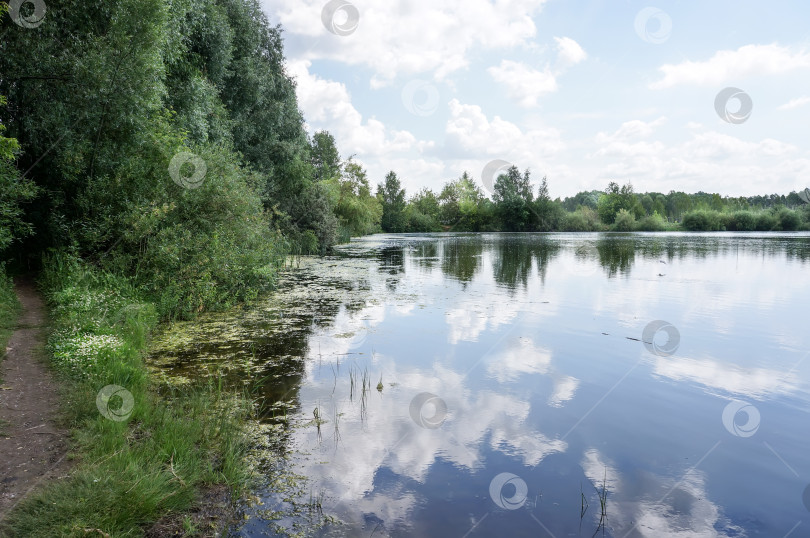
(575, 222)
(625, 221)
(419, 222)
(743, 221)
(651, 223)
(788, 220)
(204, 248)
(766, 222)
(702, 221)
(584, 219)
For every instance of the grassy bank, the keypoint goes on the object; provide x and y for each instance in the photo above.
(140, 459)
(9, 310)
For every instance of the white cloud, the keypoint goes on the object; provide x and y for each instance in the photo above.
(569, 51)
(525, 84)
(396, 38)
(329, 104)
(728, 65)
(632, 153)
(794, 103)
(471, 133)
(632, 129)
(713, 144)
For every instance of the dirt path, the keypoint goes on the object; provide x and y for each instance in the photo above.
(32, 446)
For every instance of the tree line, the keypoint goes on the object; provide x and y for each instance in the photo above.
(462, 205)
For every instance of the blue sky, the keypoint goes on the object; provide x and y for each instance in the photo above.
(583, 92)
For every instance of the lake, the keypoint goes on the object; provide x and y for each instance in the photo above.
(558, 385)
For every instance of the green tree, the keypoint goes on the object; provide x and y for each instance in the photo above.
(426, 202)
(617, 198)
(14, 192)
(581, 199)
(325, 156)
(449, 198)
(359, 212)
(422, 212)
(391, 196)
(678, 203)
(547, 212)
(464, 206)
(513, 198)
(474, 208)
(648, 204)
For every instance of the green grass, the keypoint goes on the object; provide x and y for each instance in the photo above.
(156, 463)
(9, 311)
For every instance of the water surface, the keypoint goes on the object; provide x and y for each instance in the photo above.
(504, 385)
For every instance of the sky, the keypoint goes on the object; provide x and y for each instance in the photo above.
(677, 95)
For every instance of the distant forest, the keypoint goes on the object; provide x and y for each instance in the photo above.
(162, 141)
(462, 205)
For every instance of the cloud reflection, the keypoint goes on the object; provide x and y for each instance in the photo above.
(681, 508)
(386, 438)
(751, 382)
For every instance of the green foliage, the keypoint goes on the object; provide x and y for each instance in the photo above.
(651, 223)
(416, 221)
(741, 221)
(130, 84)
(624, 221)
(139, 470)
(463, 207)
(325, 156)
(422, 212)
(805, 213)
(9, 308)
(766, 222)
(581, 199)
(359, 212)
(260, 97)
(674, 205)
(584, 219)
(702, 221)
(788, 220)
(475, 211)
(14, 192)
(615, 199)
(548, 214)
(513, 199)
(391, 196)
(574, 222)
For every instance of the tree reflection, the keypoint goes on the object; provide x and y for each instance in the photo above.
(425, 254)
(512, 263)
(616, 255)
(392, 262)
(461, 258)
